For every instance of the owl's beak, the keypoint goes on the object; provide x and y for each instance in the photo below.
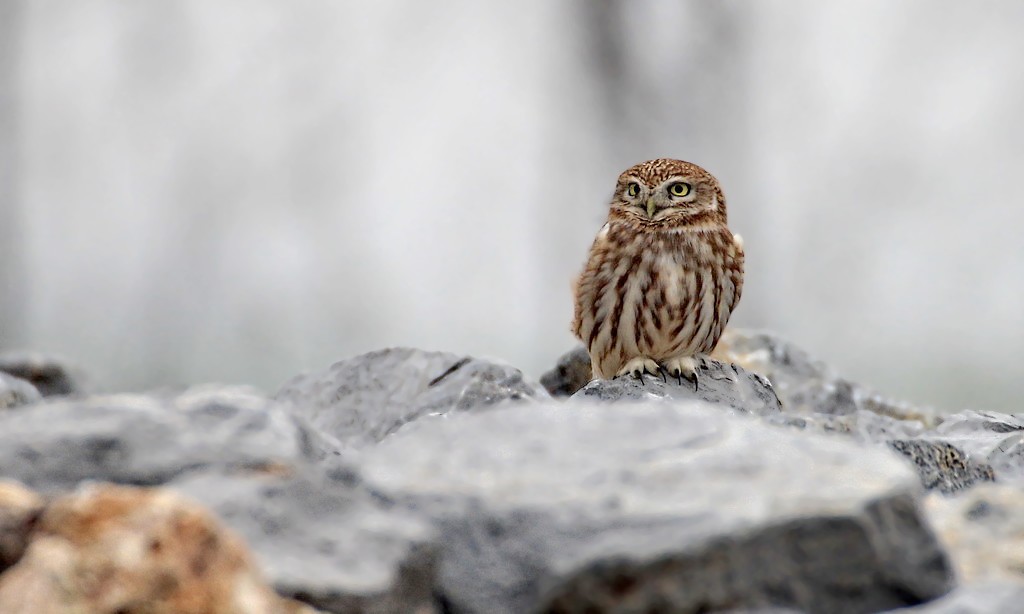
(651, 207)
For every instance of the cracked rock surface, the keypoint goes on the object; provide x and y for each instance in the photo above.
(681, 508)
(717, 382)
(144, 439)
(361, 400)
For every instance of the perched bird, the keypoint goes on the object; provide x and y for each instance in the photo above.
(663, 276)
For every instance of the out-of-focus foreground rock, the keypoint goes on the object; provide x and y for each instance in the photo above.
(426, 482)
(109, 549)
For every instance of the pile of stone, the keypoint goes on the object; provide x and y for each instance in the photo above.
(426, 482)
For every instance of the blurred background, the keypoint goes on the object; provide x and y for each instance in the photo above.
(242, 190)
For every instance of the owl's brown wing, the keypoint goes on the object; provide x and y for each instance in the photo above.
(587, 289)
(735, 270)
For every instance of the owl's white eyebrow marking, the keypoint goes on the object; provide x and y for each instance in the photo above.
(674, 179)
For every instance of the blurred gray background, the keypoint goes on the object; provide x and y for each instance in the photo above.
(241, 190)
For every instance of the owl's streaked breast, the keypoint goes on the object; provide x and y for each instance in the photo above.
(656, 294)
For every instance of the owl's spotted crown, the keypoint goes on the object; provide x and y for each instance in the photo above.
(658, 170)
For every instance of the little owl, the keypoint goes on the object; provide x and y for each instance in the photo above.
(663, 276)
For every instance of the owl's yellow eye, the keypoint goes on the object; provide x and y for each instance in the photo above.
(679, 189)
(633, 189)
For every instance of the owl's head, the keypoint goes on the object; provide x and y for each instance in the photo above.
(668, 194)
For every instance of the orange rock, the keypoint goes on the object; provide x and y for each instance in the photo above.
(109, 549)
(19, 509)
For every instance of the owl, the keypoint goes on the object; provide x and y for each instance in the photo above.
(663, 276)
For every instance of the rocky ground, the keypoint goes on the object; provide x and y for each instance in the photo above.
(425, 482)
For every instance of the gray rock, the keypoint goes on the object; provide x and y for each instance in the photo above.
(51, 376)
(147, 440)
(983, 530)
(361, 400)
(324, 542)
(15, 392)
(862, 425)
(943, 466)
(716, 383)
(806, 385)
(940, 465)
(768, 610)
(987, 598)
(966, 448)
(949, 453)
(675, 507)
(571, 373)
(994, 438)
(803, 384)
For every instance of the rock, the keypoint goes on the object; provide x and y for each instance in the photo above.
(802, 383)
(108, 549)
(50, 376)
(571, 373)
(965, 449)
(716, 383)
(15, 392)
(19, 509)
(675, 507)
(147, 440)
(994, 438)
(862, 425)
(806, 385)
(987, 598)
(983, 529)
(949, 454)
(325, 542)
(361, 400)
(940, 465)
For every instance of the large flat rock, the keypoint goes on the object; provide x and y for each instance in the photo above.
(679, 507)
(361, 400)
(325, 542)
(147, 440)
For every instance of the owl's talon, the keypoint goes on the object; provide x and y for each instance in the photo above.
(637, 366)
(683, 367)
